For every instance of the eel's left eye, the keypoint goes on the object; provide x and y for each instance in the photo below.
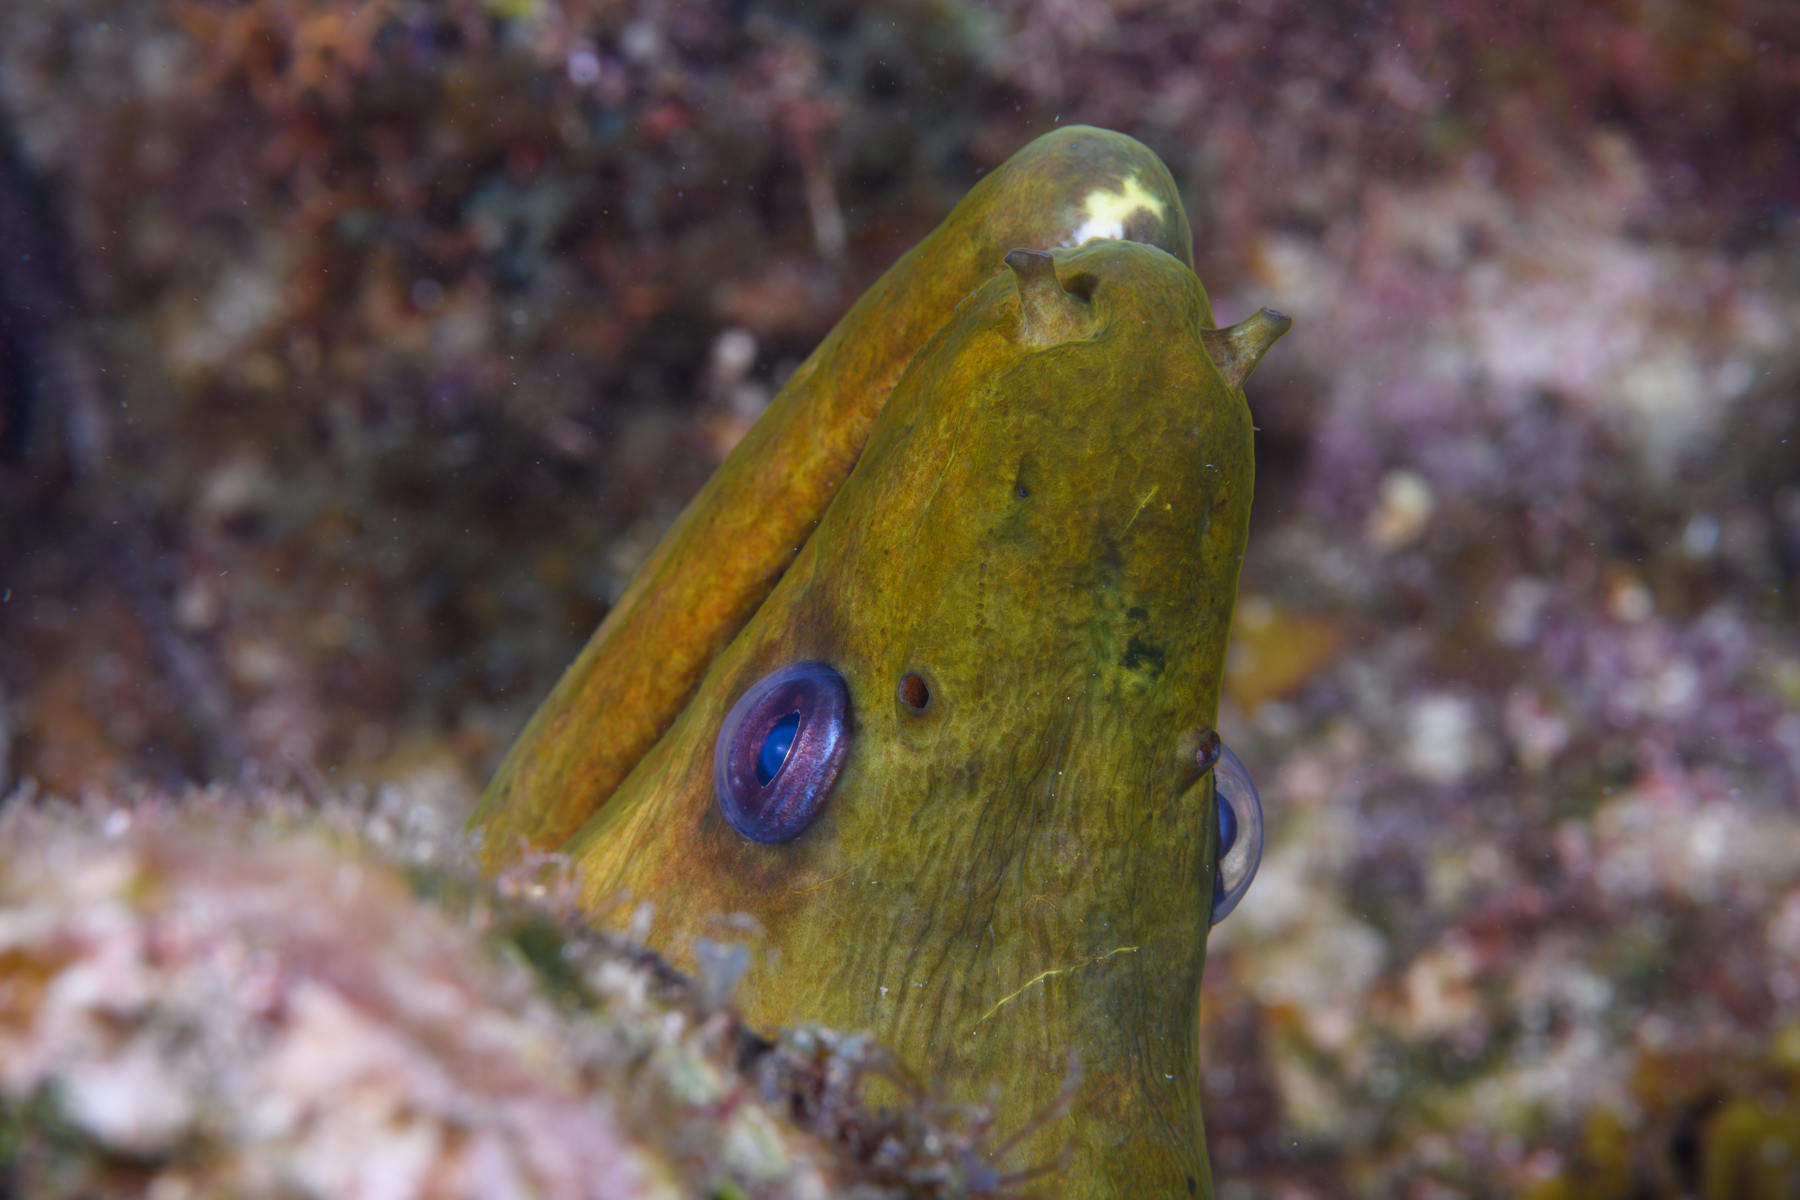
(1240, 831)
(780, 750)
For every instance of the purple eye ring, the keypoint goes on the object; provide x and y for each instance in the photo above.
(779, 751)
(1238, 810)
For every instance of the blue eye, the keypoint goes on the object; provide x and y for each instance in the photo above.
(775, 748)
(1240, 818)
(779, 751)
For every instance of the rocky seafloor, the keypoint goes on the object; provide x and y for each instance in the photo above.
(353, 356)
(258, 991)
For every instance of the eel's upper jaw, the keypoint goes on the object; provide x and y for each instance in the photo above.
(1238, 349)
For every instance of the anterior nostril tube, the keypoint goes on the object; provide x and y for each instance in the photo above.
(913, 692)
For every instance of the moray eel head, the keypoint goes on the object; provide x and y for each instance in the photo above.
(1005, 853)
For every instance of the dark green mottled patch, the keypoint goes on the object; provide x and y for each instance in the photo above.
(1142, 655)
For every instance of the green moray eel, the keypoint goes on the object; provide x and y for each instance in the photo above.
(1023, 575)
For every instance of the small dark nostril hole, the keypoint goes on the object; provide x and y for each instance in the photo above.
(913, 692)
(1081, 285)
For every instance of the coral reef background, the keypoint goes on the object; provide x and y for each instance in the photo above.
(352, 355)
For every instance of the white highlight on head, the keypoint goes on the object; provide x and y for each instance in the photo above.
(1106, 211)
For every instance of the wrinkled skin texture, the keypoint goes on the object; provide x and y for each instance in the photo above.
(1024, 868)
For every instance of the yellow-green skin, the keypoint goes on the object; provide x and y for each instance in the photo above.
(1046, 525)
(708, 576)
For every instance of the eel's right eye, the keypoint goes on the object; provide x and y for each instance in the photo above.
(780, 750)
(1240, 819)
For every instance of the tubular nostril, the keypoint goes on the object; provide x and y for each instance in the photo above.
(913, 692)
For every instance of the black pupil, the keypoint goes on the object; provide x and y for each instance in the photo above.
(775, 747)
